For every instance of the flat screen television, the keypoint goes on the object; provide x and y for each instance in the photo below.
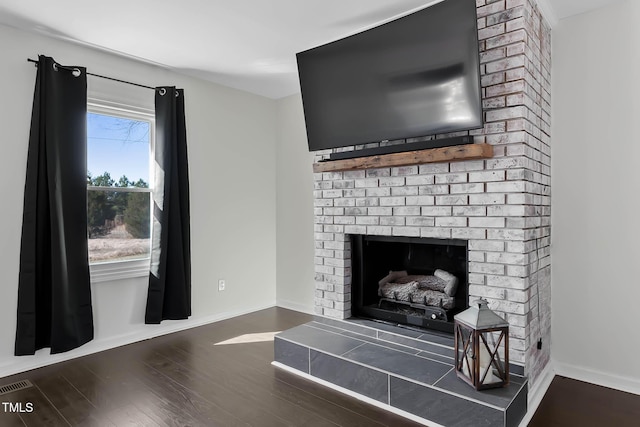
(414, 76)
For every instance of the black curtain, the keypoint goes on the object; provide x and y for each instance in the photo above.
(169, 295)
(54, 293)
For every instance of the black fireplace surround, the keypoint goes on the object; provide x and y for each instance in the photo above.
(373, 257)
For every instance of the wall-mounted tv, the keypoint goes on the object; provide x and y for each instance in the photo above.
(414, 76)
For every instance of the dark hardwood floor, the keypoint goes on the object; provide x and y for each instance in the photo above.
(186, 379)
(570, 402)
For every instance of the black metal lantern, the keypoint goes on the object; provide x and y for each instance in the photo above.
(482, 347)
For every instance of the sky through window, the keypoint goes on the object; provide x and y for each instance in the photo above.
(119, 146)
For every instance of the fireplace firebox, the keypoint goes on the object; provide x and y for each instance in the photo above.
(409, 281)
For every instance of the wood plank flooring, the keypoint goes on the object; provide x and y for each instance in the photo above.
(569, 402)
(192, 378)
(185, 379)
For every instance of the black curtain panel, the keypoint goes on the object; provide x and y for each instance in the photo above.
(54, 293)
(169, 295)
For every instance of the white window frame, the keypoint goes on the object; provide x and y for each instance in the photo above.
(126, 269)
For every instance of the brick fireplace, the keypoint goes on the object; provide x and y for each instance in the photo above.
(500, 206)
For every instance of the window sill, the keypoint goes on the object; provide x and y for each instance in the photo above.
(109, 271)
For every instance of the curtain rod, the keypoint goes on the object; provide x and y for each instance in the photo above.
(105, 77)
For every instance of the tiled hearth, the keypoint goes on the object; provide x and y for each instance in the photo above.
(399, 369)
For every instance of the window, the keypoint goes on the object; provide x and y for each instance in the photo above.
(119, 146)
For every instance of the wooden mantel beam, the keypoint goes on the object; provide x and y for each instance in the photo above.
(408, 158)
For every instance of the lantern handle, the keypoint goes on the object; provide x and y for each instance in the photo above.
(480, 302)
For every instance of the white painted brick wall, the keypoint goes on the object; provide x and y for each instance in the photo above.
(500, 205)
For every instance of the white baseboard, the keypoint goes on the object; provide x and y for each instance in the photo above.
(43, 358)
(629, 385)
(295, 306)
(537, 392)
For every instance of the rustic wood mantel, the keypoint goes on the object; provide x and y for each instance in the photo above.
(432, 155)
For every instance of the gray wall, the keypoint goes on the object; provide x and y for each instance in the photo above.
(595, 292)
(295, 283)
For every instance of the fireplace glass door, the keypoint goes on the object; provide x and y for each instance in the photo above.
(410, 281)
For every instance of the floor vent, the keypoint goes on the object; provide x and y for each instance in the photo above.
(10, 388)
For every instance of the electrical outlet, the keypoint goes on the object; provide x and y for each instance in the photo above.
(221, 285)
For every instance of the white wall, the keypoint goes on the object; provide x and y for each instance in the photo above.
(232, 156)
(596, 196)
(295, 271)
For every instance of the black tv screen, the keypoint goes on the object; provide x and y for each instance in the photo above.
(414, 76)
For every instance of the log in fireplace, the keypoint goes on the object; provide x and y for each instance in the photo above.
(409, 281)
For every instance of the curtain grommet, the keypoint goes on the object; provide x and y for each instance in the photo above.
(162, 91)
(76, 72)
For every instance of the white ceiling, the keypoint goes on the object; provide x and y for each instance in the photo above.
(246, 44)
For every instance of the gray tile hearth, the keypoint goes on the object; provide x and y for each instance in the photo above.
(292, 355)
(397, 363)
(448, 410)
(405, 369)
(358, 378)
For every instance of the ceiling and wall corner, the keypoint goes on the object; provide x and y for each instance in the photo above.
(248, 45)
